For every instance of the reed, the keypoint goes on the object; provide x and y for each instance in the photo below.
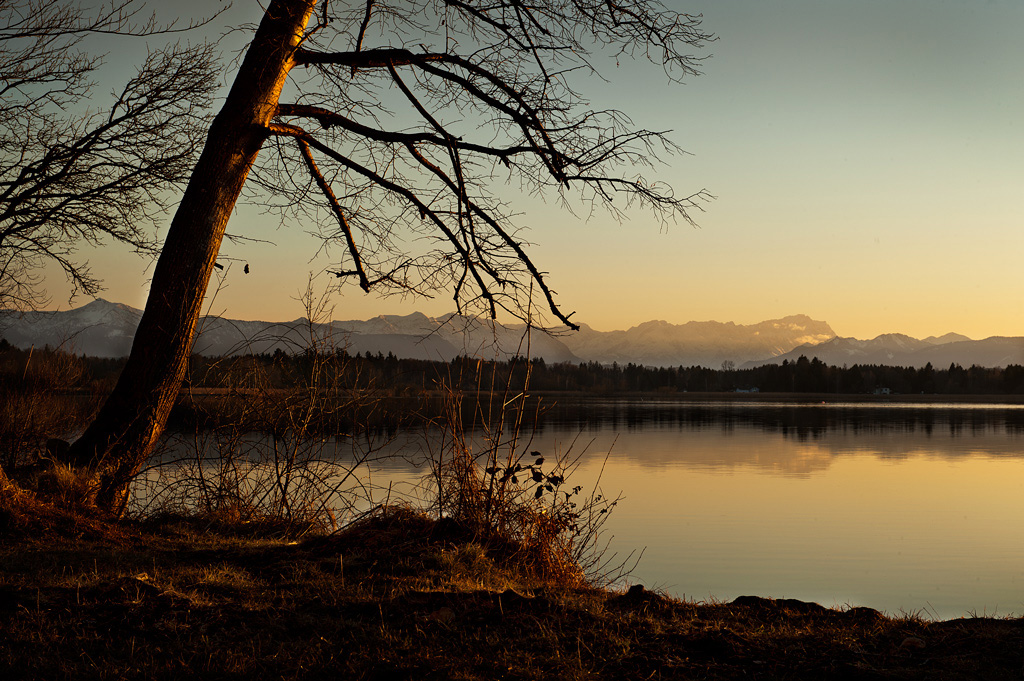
(490, 483)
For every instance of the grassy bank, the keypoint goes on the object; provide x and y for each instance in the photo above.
(398, 595)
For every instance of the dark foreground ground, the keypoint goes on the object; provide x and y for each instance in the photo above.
(396, 597)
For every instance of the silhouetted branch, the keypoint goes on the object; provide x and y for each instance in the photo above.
(70, 175)
(408, 195)
(332, 200)
(483, 95)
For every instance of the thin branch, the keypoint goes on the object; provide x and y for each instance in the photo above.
(407, 194)
(512, 243)
(332, 200)
(362, 27)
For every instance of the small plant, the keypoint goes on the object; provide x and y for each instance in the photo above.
(505, 495)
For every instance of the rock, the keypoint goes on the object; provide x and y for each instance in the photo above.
(637, 596)
(751, 602)
(443, 615)
(913, 643)
(862, 614)
(791, 605)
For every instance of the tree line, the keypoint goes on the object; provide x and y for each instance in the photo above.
(468, 374)
(389, 374)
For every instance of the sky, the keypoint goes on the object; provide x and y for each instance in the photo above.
(866, 163)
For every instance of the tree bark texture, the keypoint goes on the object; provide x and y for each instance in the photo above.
(131, 421)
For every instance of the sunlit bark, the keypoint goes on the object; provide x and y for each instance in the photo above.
(132, 419)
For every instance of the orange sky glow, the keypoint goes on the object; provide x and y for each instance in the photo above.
(866, 163)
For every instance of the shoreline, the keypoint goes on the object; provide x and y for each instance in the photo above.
(667, 397)
(187, 599)
(796, 398)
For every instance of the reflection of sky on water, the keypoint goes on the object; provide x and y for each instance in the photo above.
(897, 508)
(894, 507)
(789, 439)
(943, 535)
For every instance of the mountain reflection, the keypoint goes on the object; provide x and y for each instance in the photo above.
(786, 439)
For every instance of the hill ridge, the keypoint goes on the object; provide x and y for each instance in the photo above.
(104, 328)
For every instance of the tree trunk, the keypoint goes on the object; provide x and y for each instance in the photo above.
(131, 421)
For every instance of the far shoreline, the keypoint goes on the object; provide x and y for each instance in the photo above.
(924, 399)
(666, 397)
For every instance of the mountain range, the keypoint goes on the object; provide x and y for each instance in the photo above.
(106, 329)
(659, 343)
(895, 349)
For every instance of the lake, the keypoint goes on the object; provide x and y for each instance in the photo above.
(900, 507)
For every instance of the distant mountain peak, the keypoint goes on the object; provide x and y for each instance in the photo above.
(947, 338)
(897, 349)
(801, 319)
(705, 343)
(411, 317)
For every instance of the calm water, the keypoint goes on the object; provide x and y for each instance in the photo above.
(897, 507)
(903, 508)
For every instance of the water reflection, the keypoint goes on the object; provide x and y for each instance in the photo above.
(897, 507)
(800, 421)
(787, 439)
(901, 508)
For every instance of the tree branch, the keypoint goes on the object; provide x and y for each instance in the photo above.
(332, 200)
(377, 58)
(407, 194)
(329, 119)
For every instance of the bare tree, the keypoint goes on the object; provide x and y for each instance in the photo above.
(71, 175)
(403, 114)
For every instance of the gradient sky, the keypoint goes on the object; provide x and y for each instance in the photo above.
(867, 160)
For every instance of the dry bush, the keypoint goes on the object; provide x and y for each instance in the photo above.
(292, 481)
(514, 500)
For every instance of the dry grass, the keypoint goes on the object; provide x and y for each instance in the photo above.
(397, 595)
(67, 486)
(25, 517)
(35, 404)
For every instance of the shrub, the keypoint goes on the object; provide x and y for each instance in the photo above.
(513, 500)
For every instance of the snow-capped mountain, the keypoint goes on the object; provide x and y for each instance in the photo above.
(105, 329)
(659, 343)
(894, 349)
(100, 329)
(415, 336)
